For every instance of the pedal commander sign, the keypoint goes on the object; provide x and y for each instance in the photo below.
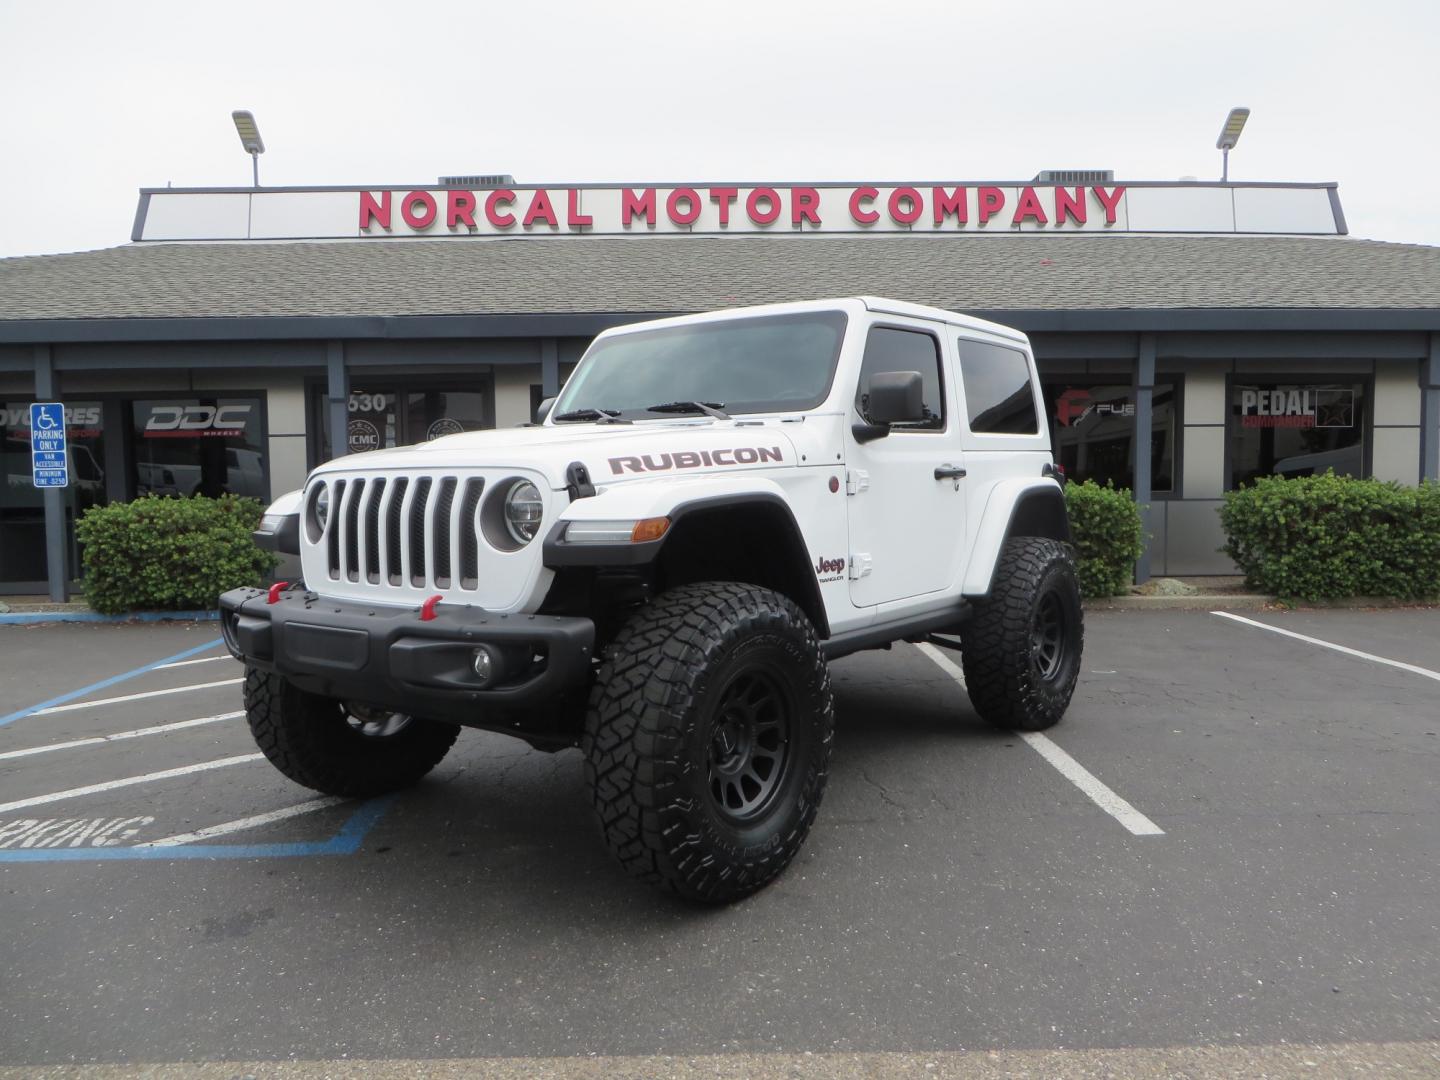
(1297, 407)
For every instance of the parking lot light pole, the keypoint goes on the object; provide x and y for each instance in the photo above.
(1229, 136)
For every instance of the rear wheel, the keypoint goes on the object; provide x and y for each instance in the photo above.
(350, 750)
(707, 739)
(1021, 650)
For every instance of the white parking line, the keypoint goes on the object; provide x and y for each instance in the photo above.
(96, 740)
(1098, 793)
(241, 824)
(129, 781)
(133, 697)
(202, 660)
(1426, 672)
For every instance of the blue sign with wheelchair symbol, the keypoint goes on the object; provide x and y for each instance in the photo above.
(49, 465)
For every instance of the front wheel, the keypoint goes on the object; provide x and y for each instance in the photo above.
(338, 748)
(1021, 649)
(707, 739)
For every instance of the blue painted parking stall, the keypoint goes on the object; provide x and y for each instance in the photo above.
(121, 813)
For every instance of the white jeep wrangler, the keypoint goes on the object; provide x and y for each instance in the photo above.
(659, 569)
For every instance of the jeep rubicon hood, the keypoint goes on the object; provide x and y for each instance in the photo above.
(611, 452)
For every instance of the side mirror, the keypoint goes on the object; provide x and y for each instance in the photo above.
(543, 409)
(893, 397)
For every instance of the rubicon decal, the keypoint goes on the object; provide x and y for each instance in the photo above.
(695, 459)
(829, 569)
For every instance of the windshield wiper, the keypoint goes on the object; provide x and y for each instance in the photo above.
(599, 416)
(709, 408)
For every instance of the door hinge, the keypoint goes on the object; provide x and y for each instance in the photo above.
(856, 481)
(859, 566)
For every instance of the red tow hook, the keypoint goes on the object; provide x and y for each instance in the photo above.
(427, 609)
(275, 590)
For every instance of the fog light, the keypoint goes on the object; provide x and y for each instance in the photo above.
(486, 665)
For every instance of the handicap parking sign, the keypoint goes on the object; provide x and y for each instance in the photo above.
(49, 466)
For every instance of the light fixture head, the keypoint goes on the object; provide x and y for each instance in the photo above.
(248, 131)
(1230, 133)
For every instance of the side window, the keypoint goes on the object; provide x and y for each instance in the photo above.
(888, 349)
(998, 396)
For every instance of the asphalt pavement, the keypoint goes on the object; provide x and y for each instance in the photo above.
(1228, 849)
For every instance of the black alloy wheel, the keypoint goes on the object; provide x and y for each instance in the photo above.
(749, 744)
(1047, 636)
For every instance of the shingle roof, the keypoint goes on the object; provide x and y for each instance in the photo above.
(651, 274)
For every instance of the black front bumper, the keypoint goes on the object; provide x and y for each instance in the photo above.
(389, 657)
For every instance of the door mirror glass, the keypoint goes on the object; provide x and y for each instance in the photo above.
(895, 397)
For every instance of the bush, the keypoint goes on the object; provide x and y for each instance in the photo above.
(160, 553)
(1107, 533)
(1326, 537)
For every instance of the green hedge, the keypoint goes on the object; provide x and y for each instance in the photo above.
(1326, 537)
(1108, 535)
(162, 553)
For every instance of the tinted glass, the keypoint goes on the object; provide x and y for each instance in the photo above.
(436, 413)
(22, 513)
(998, 398)
(198, 446)
(887, 349)
(1296, 429)
(766, 364)
(1093, 428)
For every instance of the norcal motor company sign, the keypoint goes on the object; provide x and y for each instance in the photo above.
(543, 210)
(725, 208)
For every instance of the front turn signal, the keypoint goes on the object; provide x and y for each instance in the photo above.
(647, 529)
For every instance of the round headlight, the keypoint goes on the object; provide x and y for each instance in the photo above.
(322, 506)
(523, 511)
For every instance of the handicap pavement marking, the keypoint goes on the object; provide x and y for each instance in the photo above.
(104, 683)
(345, 842)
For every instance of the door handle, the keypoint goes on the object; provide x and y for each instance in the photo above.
(949, 472)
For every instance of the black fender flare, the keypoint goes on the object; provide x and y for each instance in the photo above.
(793, 554)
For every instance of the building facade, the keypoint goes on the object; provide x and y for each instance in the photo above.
(1190, 336)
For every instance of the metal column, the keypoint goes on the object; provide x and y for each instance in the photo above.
(337, 398)
(56, 568)
(1144, 389)
(549, 367)
(1430, 412)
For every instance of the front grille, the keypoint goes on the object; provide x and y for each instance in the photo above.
(416, 531)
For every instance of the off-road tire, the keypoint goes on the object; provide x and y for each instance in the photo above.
(1008, 684)
(308, 738)
(659, 713)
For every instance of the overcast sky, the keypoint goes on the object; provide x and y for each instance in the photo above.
(101, 99)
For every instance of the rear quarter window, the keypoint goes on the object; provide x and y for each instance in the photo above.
(999, 399)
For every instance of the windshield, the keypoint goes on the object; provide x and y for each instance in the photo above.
(768, 363)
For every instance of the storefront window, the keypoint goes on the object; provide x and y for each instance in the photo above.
(198, 446)
(22, 505)
(434, 413)
(1296, 429)
(385, 416)
(1093, 427)
(374, 422)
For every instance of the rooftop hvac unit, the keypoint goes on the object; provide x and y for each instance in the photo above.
(493, 180)
(1075, 176)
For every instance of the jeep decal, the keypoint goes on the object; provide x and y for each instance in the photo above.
(693, 459)
(829, 569)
